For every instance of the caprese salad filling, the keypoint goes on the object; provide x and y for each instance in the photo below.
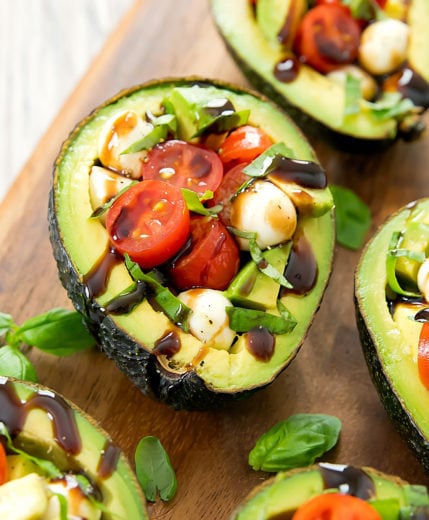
(361, 44)
(188, 214)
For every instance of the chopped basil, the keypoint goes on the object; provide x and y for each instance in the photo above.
(154, 470)
(353, 95)
(243, 320)
(295, 442)
(221, 123)
(362, 9)
(390, 105)
(195, 202)
(353, 217)
(102, 210)
(393, 253)
(259, 259)
(267, 160)
(162, 126)
(172, 307)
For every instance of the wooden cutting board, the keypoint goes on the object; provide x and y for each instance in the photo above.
(209, 449)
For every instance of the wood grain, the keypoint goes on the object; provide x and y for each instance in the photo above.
(209, 449)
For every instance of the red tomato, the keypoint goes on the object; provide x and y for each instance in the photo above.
(423, 355)
(328, 36)
(336, 506)
(150, 222)
(244, 144)
(213, 259)
(3, 465)
(231, 182)
(184, 165)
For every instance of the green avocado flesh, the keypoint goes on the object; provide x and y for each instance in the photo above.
(280, 497)
(46, 426)
(316, 100)
(197, 373)
(386, 320)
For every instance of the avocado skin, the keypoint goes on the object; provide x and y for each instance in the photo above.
(402, 420)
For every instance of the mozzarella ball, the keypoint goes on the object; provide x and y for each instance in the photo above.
(423, 279)
(384, 46)
(118, 134)
(265, 210)
(368, 85)
(209, 321)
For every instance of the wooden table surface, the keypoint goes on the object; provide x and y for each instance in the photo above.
(208, 449)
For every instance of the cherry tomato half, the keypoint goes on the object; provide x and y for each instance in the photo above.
(213, 259)
(423, 355)
(244, 144)
(150, 222)
(3, 465)
(336, 506)
(231, 182)
(328, 36)
(184, 165)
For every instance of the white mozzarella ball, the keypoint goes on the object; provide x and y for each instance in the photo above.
(423, 279)
(384, 46)
(118, 134)
(209, 321)
(105, 184)
(265, 210)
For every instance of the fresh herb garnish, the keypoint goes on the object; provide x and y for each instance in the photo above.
(390, 105)
(295, 442)
(393, 253)
(267, 160)
(243, 320)
(59, 331)
(353, 217)
(101, 210)
(154, 470)
(162, 126)
(353, 95)
(195, 202)
(172, 307)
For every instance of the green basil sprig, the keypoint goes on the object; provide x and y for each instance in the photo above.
(295, 442)
(154, 470)
(194, 202)
(60, 332)
(353, 217)
(243, 320)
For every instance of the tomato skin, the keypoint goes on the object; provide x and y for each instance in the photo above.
(327, 37)
(336, 506)
(156, 210)
(244, 144)
(213, 259)
(231, 182)
(3, 465)
(184, 165)
(423, 355)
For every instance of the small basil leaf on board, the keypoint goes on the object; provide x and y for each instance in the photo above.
(13, 363)
(295, 442)
(58, 331)
(353, 217)
(154, 470)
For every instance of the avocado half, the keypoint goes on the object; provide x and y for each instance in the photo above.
(281, 496)
(196, 376)
(316, 102)
(46, 425)
(387, 326)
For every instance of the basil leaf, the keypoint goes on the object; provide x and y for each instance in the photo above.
(295, 442)
(361, 9)
(6, 323)
(58, 331)
(174, 309)
(13, 363)
(353, 217)
(266, 161)
(194, 202)
(353, 95)
(47, 467)
(100, 211)
(155, 136)
(243, 320)
(390, 105)
(154, 470)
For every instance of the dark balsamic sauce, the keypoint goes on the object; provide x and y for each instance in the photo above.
(95, 281)
(286, 70)
(348, 479)
(301, 270)
(108, 460)
(305, 173)
(168, 345)
(410, 84)
(260, 343)
(124, 303)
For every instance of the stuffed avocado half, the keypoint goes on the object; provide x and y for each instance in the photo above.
(356, 69)
(335, 491)
(56, 462)
(200, 255)
(392, 307)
